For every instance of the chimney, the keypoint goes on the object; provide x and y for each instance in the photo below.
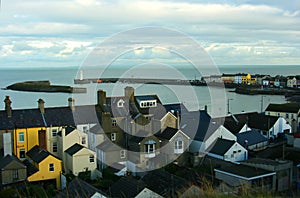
(205, 108)
(41, 105)
(71, 103)
(101, 98)
(129, 93)
(7, 144)
(178, 119)
(7, 102)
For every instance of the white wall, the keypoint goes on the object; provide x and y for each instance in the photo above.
(238, 156)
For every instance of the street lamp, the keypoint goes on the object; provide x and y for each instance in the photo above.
(228, 104)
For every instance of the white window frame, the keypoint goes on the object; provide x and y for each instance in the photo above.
(92, 158)
(54, 132)
(114, 123)
(83, 140)
(122, 154)
(178, 146)
(21, 136)
(54, 147)
(51, 167)
(113, 136)
(149, 150)
(22, 149)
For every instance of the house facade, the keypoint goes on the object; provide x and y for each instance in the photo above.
(12, 170)
(228, 150)
(48, 166)
(80, 159)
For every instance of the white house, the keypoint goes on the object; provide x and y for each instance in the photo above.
(228, 150)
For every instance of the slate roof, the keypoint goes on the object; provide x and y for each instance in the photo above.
(244, 170)
(108, 146)
(31, 169)
(167, 134)
(253, 137)
(79, 189)
(291, 107)
(74, 149)
(126, 187)
(69, 130)
(265, 161)
(163, 183)
(198, 125)
(8, 159)
(221, 146)
(97, 129)
(21, 119)
(37, 155)
(234, 123)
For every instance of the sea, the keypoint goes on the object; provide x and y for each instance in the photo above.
(219, 101)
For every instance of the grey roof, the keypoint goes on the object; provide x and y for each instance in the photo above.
(221, 146)
(69, 130)
(8, 159)
(265, 161)
(108, 146)
(37, 155)
(167, 134)
(253, 137)
(22, 118)
(198, 125)
(74, 149)
(244, 170)
(291, 107)
(79, 189)
(163, 183)
(126, 187)
(31, 169)
(97, 129)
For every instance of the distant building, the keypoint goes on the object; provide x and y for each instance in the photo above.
(289, 111)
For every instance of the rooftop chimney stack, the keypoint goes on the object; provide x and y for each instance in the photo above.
(41, 104)
(129, 93)
(178, 119)
(101, 98)
(71, 103)
(7, 102)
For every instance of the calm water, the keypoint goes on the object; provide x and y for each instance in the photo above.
(193, 97)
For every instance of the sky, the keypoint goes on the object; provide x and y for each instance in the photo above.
(62, 33)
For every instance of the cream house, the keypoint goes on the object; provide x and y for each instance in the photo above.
(80, 159)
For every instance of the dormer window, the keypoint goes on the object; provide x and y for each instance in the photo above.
(120, 103)
(150, 149)
(146, 101)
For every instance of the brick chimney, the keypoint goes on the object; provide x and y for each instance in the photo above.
(101, 98)
(71, 103)
(178, 119)
(41, 105)
(7, 102)
(129, 93)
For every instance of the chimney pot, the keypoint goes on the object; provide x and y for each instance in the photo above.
(71, 103)
(41, 105)
(8, 110)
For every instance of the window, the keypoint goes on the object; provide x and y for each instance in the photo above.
(114, 123)
(15, 173)
(122, 154)
(51, 167)
(150, 149)
(121, 103)
(85, 129)
(54, 132)
(92, 159)
(21, 137)
(113, 136)
(83, 140)
(54, 147)
(286, 115)
(178, 146)
(22, 153)
(292, 116)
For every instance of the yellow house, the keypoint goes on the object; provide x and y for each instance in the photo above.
(48, 167)
(248, 79)
(26, 138)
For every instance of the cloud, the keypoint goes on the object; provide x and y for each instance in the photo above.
(236, 30)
